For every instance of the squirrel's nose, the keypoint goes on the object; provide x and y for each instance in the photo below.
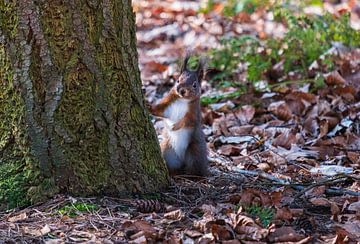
(182, 91)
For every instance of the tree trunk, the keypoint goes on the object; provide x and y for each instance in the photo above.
(72, 114)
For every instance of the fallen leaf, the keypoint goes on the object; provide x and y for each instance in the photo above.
(355, 206)
(18, 217)
(245, 114)
(285, 234)
(149, 231)
(221, 232)
(37, 231)
(334, 78)
(283, 214)
(281, 110)
(193, 233)
(351, 228)
(139, 240)
(174, 215)
(229, 150)
(320, 201)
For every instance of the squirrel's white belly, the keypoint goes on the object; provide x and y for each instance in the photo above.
(179, 139)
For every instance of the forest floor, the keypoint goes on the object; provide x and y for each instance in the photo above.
(284, 161)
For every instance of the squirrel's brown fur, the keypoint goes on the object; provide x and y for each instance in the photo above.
(184, 146)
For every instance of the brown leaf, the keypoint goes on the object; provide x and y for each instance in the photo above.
(229, 150)
(251, 196)
(145, 226)
(18, 217)
(155, 66)
(347, 92)
(351, 228)
(221, 232)
(241, 130)
(297, 212)
(281, 110)
(283, 214)
(299, 102)
(209, 116)
(320, 201)
(253, 233)
(324, 128)
(37, 231)
(264, 166)
(316, 191)
(354, 157)
(285, 139)
(139, 240)
(285, 234)
(311, 126)
(334, 78)
(174, 215)
(335, 210)
(299, 95)
(245, 114)
(193, 233)
(231, 242)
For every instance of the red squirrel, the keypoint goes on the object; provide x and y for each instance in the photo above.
(184, 145)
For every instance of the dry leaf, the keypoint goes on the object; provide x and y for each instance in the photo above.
(174, 215)
(351, 228)
(281, 110)
(245, 114)
(193, 233)
(139, 240)
(37, 231)
(221, 232)
(18, 217)
(334, 78)
(320, 201)
(283, 214)
(285, 234)
(355, 206)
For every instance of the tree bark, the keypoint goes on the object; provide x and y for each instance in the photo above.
(72, 115)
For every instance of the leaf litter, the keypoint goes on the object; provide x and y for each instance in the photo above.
(285, 162)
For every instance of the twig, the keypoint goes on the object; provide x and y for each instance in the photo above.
(301, 187)
(262, 175)
(320, 183)
(295, 185)
(341, 191)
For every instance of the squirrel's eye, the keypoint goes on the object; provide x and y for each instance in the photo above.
(178, 81)
(194, 85)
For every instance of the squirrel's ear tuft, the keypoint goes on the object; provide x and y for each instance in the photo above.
(185, 62)
(201, 68)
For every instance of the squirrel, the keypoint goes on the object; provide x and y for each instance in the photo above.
(184, 145)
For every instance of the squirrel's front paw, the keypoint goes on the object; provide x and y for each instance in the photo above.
(176, 126)
(149, 106)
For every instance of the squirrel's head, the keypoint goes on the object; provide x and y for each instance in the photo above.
(189, 82)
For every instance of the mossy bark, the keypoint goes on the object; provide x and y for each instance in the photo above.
(72, 116)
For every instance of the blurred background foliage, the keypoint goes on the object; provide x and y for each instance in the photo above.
(308, 39)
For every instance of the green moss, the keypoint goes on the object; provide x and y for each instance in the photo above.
(13, 185)
(17, 166)
(57, 26)
(45, 189)
(76, 114)
(9, 19)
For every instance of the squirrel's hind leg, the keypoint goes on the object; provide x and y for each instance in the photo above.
(173, 162)
(196, 162)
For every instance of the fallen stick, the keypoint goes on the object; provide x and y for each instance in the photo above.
(295, 185)
(301, 186)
